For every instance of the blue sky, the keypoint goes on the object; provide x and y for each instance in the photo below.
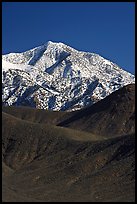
(105, 28)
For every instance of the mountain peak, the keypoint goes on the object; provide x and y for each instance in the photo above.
(51, 43)
(58, 77)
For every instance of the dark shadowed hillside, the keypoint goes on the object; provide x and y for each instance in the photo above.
(24, 141)
(36, 115)
(114, 115)
(86, 161)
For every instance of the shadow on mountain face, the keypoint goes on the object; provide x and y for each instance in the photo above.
(44, 162)
(114, 115)
(36, 115)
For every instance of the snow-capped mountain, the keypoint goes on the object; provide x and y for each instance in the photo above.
(57, 77)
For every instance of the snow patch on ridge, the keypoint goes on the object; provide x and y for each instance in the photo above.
(58, 77)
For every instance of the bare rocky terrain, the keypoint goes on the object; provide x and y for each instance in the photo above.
(86, 155)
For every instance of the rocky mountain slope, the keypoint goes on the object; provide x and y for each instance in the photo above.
(87, 155)
(55, 76)
(114, 115)
(47, 163)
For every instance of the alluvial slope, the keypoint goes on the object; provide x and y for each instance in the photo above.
(57, 77)
(23, 141)
(37, 115)
(112, 116)
(52, 164)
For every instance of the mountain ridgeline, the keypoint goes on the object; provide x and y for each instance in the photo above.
(114, 115)
(55, 76)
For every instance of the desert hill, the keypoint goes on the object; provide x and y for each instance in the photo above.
(63, 156)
